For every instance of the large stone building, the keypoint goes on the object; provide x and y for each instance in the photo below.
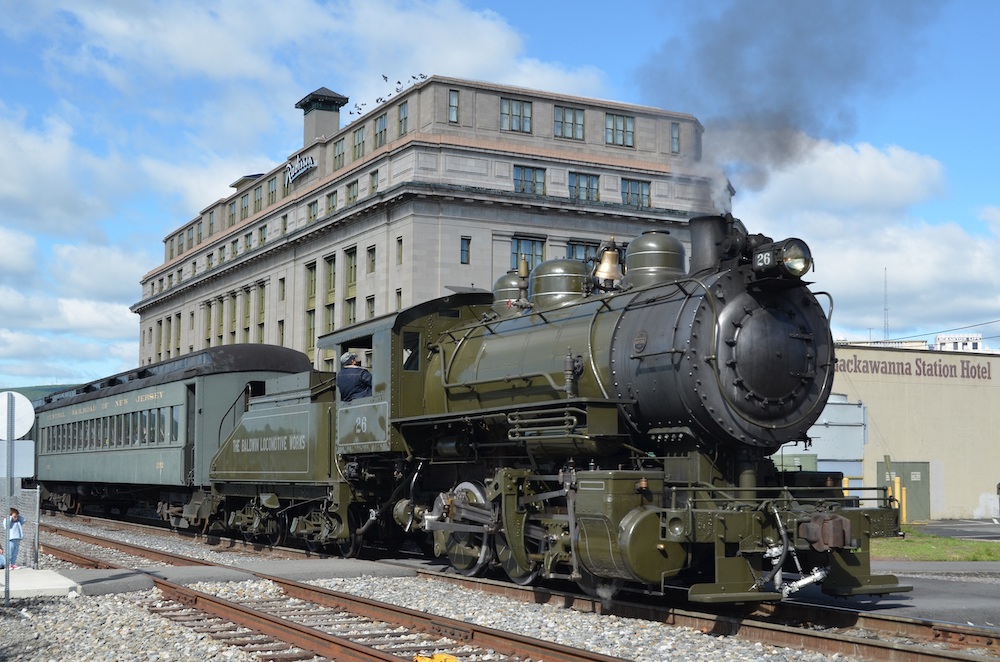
(446, 184)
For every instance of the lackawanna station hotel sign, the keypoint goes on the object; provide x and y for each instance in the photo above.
(917, 367)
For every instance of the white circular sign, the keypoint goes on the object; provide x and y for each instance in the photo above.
(24, 414)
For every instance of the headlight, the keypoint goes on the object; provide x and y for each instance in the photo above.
(791, 257)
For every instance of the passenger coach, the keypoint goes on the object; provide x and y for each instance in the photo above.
(150, 433)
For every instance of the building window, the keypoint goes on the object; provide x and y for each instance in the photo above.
(371, 259)
(584, 187)
(272, 190)
(258, 198)
(232, 213)
(180, 245)
(515, 115)
(209, 261)
(281, 289)
(311, 284)
(675, 138)
(404, 118)
(331, 278)
(312, 212)
(568, 123)
(619, 130)
(370, 305)
(331, 202)
(234, 246)
(453, 106)
(373, 183)
(381, 130)
(330, 320)
(190, 238)
(399, 300)
(463, 252)
(635, 193)
(261, 235)
(581, 250)
(211, 223)
(352, 192)
(359, 144)
(399, 250)
(281, 333)
(310, 330)
(247, 239)
(284, 224)
(222, 255)
(351, 273)
(197, 233)
(350, 311)
(338, 154)
(533, 251)
(529, 180)
(244, 206)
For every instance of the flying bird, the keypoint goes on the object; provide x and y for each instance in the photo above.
(385, 78)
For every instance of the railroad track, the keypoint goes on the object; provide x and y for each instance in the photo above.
(791, 624)
(798, 625)
(306, 622)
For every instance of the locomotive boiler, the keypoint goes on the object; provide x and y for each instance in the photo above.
(610, 427)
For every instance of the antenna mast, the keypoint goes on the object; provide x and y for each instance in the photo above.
(885, 299)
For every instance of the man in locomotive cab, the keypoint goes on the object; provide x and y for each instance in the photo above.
(353, 381)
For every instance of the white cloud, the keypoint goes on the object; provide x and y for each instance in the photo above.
(49, 183)
(18, 256)
(856, 206)
(102, 273)
(95, 319)
(855, 181)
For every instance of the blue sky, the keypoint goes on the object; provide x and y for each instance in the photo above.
(866, 128)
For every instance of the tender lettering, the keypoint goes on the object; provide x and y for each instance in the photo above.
(272, 444)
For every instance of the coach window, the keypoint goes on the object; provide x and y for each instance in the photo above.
(175, 425)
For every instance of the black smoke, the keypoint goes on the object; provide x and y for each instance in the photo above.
(768, 78)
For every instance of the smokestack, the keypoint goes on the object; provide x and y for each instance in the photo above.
(707, 234)
(321, 110)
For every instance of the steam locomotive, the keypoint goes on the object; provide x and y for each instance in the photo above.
(581, 422)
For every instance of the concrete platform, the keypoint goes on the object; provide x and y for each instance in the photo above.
(26, 582)
(29, 583)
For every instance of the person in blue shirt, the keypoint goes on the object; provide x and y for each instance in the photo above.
(353, 381)
(14, 534)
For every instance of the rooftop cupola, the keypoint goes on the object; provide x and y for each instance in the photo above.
(321, 110)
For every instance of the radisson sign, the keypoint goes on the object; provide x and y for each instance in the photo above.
(303, 165)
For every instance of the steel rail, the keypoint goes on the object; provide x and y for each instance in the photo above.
(121, 546)
(751, 628)
(747, 627)
(330, 645)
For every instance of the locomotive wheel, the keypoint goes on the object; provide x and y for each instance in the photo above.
(350, 547)
(316, 516)
(469, 551)
(274, 530)
(515, 571)
(599, 587)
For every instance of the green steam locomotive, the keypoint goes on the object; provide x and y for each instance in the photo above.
(611, 427)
